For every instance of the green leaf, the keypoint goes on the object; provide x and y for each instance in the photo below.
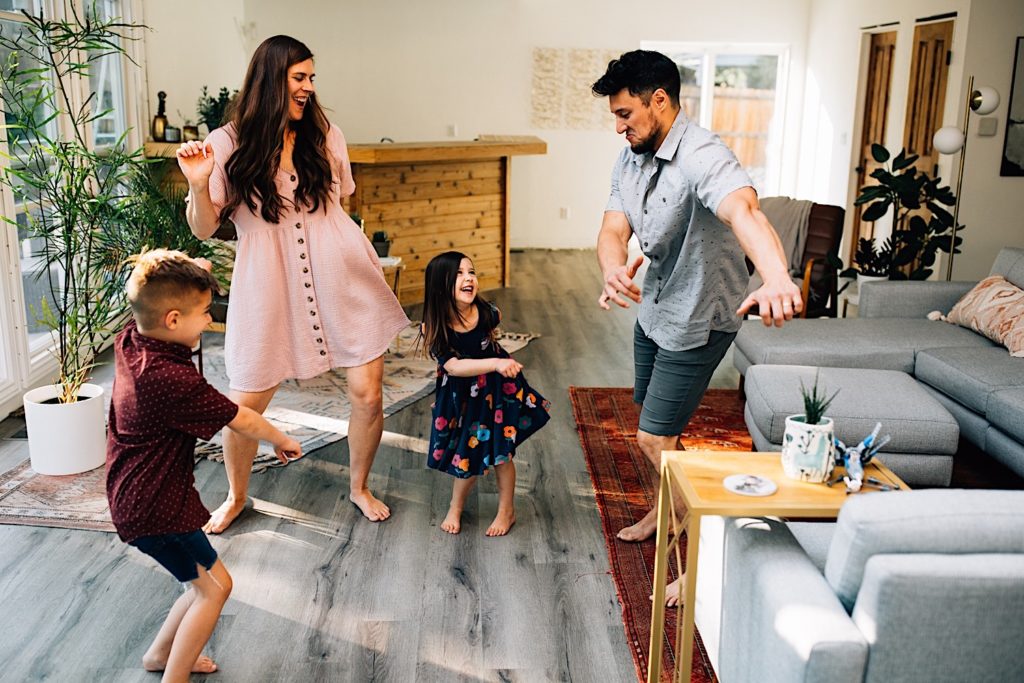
(875, 211)
(879, 153)
(901, 161)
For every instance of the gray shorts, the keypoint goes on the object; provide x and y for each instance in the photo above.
(670, 384)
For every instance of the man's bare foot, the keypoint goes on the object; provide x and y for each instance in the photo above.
(373, 509)
(203, 665)
(223, 516)
(673, 596)
(452, 521)
(503, 521)
(642, 530)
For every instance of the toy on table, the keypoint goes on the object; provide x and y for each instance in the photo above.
(854, 458)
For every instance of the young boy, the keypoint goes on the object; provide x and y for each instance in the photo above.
(160, 405)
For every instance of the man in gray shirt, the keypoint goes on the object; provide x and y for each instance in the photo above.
(694, 211)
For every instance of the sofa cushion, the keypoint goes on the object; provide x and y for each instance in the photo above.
(925, 521)
(994, 308)
(970, 375)
(1006, 411)
(1010, 264)
(879, 343)
(915, 420)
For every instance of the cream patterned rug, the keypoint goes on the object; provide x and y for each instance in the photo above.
(314, 412)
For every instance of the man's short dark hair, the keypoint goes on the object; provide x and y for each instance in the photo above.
(641, 72)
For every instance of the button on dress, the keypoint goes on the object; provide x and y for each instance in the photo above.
(307, 294)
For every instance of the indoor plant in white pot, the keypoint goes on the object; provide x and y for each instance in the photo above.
(808, 450)
(72, 196)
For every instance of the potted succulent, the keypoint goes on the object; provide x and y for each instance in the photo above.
(808, 451)
(73, 196)
(381, 243)
(921, 227)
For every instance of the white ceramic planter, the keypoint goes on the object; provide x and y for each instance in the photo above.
(65, 438)
(808, 452)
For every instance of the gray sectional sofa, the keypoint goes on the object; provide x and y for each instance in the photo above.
(975, 379)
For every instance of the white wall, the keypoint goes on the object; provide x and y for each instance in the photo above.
(409, 70)
(983, 40)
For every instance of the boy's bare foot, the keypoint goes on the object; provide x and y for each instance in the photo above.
(642, 530)
(503, 521)
(203, 665)
(452, 521)
(672, 592)
(223, 516)
(373, 509)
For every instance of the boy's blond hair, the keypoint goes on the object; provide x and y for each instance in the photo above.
(162, 281)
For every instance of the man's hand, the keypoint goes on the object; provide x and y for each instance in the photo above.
(776, 302)
(506, 367)
(620, 281)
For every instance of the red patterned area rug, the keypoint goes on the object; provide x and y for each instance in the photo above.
(625, 489)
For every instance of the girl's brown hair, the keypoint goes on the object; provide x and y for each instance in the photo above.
(440, 309)
(260, 116)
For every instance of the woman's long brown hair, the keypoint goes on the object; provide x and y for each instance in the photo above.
(439, 308)
(260, 115)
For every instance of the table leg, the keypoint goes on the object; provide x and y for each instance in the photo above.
(660, 577)
(684, 660)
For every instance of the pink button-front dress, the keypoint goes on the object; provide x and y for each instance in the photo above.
(307, 294)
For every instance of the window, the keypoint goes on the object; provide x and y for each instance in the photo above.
(737, 91)
(106, 81)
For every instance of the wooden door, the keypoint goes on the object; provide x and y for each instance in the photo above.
(876, 111)
(926, 98)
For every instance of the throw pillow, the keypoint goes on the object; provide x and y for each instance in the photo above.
(994, 308)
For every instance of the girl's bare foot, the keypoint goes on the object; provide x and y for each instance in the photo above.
(672, 592)
(503, 521)
(203, 665)
(642, 530)
(372, 508)
(452, 521)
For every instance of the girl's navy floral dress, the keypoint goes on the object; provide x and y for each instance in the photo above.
(479, 421)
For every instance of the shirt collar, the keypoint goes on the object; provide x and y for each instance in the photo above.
(670, 144)
(141, 341)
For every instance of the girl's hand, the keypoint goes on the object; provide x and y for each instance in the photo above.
(288, 450)
(506, 367)
(196, 162)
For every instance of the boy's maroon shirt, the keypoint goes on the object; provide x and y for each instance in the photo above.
(159, 406)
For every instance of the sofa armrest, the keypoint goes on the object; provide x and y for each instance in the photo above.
(780, 619)
(909, 298)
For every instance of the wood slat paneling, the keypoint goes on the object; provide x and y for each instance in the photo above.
(384, 211)
(403, 192)
(429, 172)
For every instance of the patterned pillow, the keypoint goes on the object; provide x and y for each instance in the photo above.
(994, 308)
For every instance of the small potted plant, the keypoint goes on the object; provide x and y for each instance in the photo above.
(381, 243)
(212, 109)
(808, 451)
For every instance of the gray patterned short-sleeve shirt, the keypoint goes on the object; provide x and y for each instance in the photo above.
(697, 274)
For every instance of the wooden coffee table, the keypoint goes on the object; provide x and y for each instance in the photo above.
(697, 476)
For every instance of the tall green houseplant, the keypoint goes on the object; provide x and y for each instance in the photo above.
(73, 194)
(910, 251)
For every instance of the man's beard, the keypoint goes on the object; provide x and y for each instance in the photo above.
(646, 145)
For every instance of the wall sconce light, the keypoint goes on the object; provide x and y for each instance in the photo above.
(950, 140)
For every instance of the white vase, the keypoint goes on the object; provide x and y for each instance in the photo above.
(65, 438)
(808, 451)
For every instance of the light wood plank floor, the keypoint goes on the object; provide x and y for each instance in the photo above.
(322, 595)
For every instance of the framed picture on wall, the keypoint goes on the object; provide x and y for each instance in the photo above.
(1013, 145)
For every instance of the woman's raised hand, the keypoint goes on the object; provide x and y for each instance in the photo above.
(196, 161)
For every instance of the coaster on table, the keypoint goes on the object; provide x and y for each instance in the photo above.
(749, 485)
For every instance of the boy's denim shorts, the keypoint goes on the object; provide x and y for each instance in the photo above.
(179, 553)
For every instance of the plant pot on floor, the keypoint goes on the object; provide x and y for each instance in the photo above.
(65, 438)
(808, 451)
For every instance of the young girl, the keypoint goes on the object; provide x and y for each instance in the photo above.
(483, 407)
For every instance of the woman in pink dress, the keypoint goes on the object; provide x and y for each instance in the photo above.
(307, 293)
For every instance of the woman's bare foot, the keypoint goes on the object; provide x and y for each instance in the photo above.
(223, 516)
(503, 521)
(452, 521)
(373, 509)
(642, 530)
(203, 665)
(672, 594)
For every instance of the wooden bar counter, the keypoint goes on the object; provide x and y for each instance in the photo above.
(431, 197)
